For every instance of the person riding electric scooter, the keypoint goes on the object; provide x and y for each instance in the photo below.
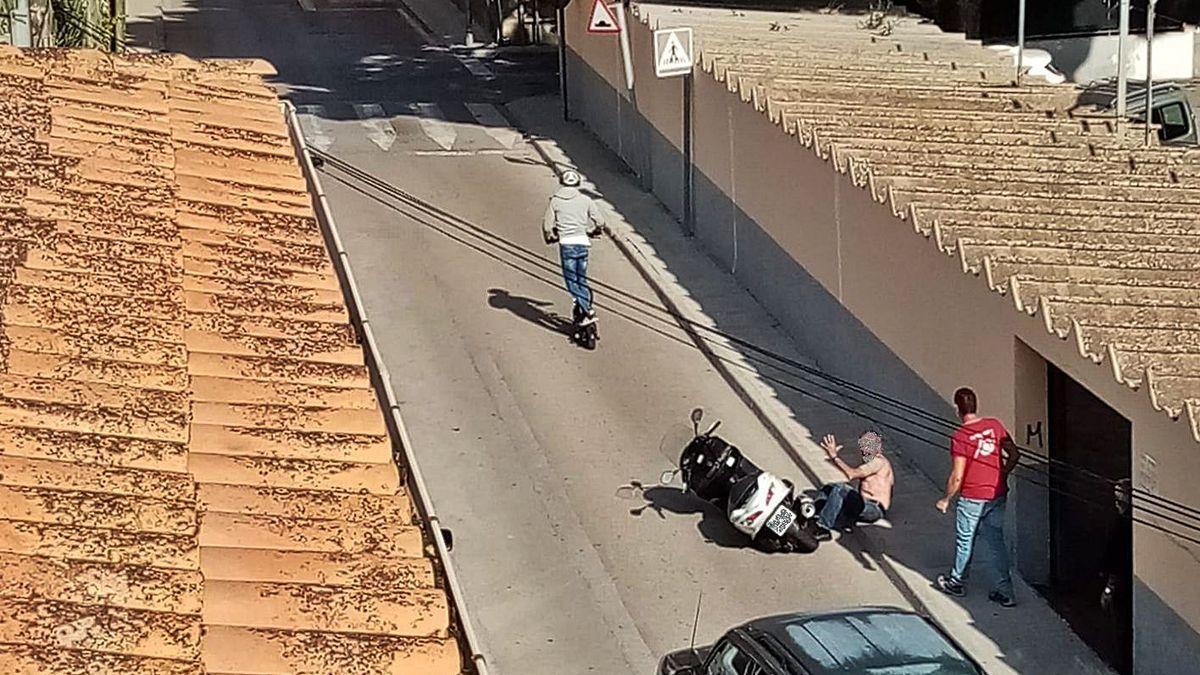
(571, 220)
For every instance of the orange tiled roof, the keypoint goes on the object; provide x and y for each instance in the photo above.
(1073, 219)
(195, 475)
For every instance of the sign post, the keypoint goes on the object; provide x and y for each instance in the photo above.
(673, 52)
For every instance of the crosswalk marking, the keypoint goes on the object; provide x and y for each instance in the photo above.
(315, 131)
(379, 128)
(476, 67)
(430, 117)
(494, 124)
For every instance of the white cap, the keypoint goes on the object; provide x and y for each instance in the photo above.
(570, 178)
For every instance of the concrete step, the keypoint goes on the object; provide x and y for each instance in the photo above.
(235, 530)
(278, 369)
(27, 472)
(97, 509)
(277, 443)
(264, 392)
(231, 649)
(99, 627)
(410, 613)
(127, 586)
(361, 571)
(35, 442)
(26, 659)
(327, 420)
(98, 545)
(353, 507)
(301, 474)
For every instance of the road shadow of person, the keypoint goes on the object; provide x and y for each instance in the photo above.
(530, 309)
(713, 525)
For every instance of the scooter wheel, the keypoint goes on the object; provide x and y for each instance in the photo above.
(588, 339)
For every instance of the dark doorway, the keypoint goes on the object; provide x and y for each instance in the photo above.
(1091, 442)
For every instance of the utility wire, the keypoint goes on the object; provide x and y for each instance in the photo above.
(630, 299)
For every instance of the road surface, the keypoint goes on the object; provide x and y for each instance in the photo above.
(531, 446)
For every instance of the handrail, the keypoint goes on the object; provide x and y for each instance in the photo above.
(382, 382)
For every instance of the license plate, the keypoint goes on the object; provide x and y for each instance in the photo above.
(781, 520)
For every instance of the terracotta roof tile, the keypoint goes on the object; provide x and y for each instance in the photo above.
(1047, 199)
(195, 475)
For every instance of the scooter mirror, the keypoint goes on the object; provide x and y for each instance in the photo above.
(666, 477)
(697, 415)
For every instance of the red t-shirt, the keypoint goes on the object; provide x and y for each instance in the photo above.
(979, 442)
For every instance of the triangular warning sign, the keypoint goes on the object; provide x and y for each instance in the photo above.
(674, 56)
(603, 20)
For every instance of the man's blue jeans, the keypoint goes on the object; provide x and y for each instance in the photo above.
(574, 267)
(985, 518)
(845, 506)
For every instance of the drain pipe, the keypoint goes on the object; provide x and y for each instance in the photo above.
(415, 480)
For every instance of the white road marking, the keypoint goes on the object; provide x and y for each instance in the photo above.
(315, 131)
(429, 115)
(379, 129)
(476, 67)
(494, 123)
(457, 153)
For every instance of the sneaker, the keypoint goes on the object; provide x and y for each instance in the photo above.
(950, 587)
(588, 320)
(1002, 599)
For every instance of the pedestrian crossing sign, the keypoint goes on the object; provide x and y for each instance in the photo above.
(673, 52)
(603, 20)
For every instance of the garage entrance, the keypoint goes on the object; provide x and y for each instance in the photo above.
(1093, 443)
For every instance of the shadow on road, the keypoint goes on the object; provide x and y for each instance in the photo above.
(530, 309)
(713, 525)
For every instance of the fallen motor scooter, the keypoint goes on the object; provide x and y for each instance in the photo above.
(759, 504)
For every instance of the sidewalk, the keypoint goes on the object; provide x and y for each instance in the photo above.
(916, 545)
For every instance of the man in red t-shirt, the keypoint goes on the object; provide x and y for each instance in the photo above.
(983, 454)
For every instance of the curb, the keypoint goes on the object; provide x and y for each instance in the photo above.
(383, 385)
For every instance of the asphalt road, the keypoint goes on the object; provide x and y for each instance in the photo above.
(530, 445)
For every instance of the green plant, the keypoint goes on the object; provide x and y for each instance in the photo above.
(74, 26)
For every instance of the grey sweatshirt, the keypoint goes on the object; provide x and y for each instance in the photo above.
(572, 215)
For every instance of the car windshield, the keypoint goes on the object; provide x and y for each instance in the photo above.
(877, 643)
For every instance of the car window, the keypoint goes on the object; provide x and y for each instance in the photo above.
(729, 660)
(1172, 121)
(878, 643)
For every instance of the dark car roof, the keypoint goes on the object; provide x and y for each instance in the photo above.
(861, 640)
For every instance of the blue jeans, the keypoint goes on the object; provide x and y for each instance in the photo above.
(574, 267)
(985, 518)
(845, 506)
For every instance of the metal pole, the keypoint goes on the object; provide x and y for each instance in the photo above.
(689, 195)
(1149, 66)
(625, 53)
(1020, 39)
(1122, 63)
(537, 24)
(562, 63)
(469, 38)
(499, 22)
